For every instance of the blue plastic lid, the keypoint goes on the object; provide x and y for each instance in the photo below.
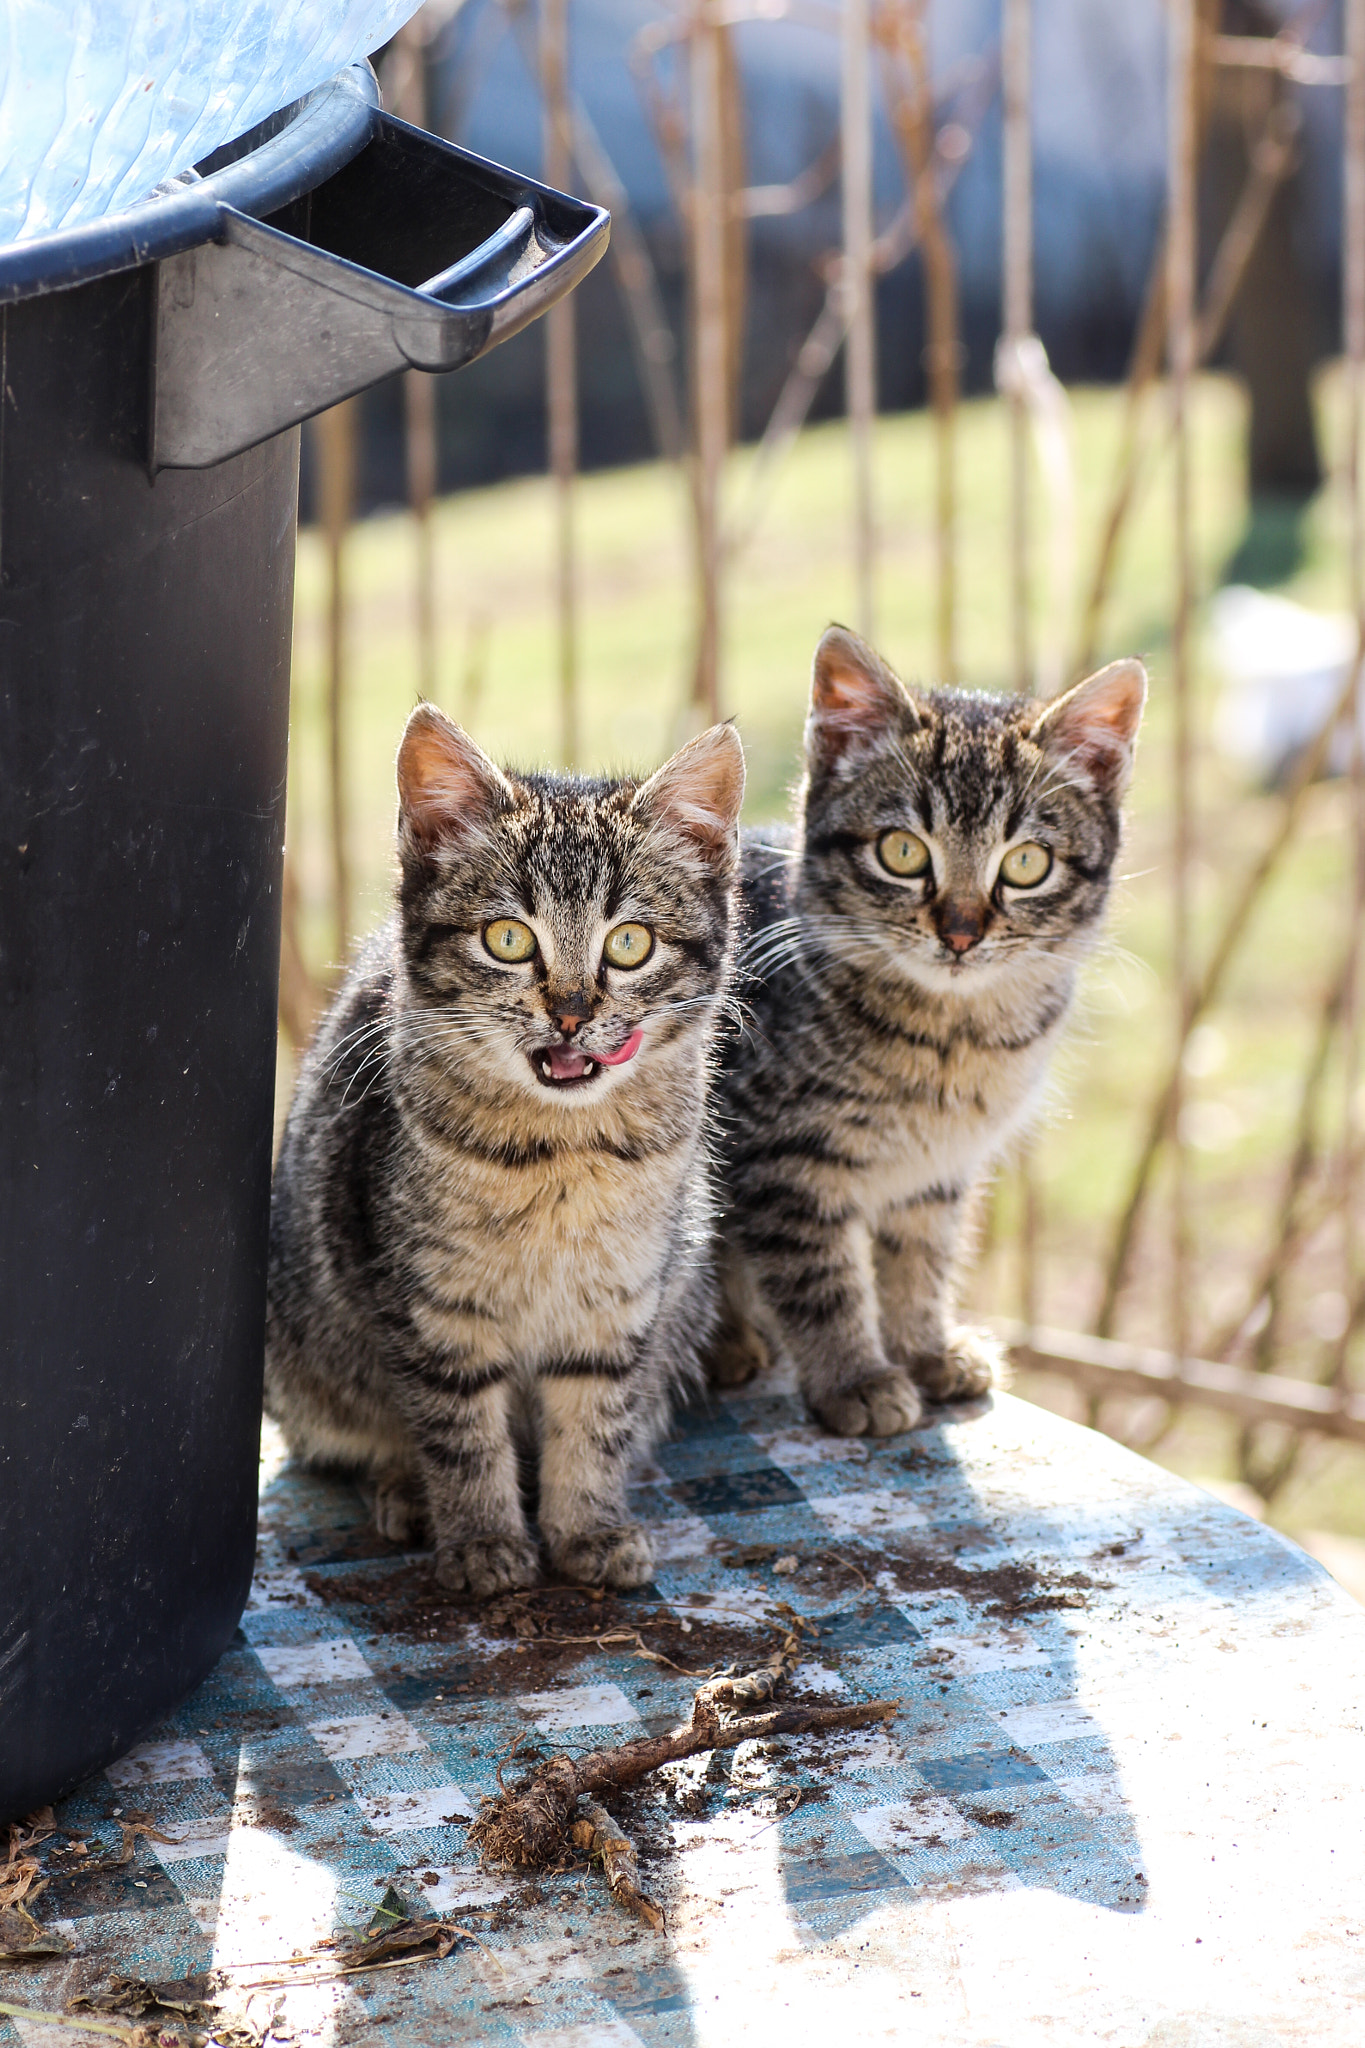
(259, 173)
(100, 104)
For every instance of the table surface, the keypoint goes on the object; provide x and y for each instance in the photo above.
(1121, 1801)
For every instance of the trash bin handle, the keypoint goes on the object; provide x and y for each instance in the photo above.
(258, 327)
(494, 258)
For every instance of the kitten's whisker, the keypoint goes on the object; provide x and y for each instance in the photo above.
(379, 1059)
(353, 1039)
(764, 964)
(681, 1003)
(788, 856)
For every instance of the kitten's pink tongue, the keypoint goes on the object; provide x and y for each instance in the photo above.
(622, 1053)
(567, 1063)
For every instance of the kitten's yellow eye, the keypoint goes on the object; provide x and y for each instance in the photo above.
(903, 853)
(629, 945)
(1025, 866)
(507, 938)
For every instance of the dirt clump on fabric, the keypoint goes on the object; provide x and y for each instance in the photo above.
(1000, 1592)
(542, 1629)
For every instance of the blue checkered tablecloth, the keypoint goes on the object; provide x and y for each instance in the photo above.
(1121, 1801)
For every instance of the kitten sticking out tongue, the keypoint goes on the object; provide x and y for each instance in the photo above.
(560, 1063)
(623, 1052)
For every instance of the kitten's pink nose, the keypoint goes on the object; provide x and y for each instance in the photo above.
(960, 923)
(568, 1009)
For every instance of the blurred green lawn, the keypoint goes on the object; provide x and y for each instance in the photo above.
(496, 672)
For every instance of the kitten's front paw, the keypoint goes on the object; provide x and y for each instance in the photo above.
(487, 1565)
(605, 1557)
(399, 1512)
(737, 1354)
(970, 1364)
(881, 1407)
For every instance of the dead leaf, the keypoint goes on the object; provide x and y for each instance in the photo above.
(391, 1912)
(191, 2002)
(39, 1825)
(132, 1998)
(408, 1938)
(139, 1827)
(24, 1940)
(20, 1879)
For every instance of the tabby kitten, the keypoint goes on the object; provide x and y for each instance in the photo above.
(492, 1209)
(913, 952)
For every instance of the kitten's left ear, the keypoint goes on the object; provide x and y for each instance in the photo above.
(855, 700)
(1094, 727)
(697, 794)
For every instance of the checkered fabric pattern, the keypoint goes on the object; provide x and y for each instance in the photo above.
(1091, 1819)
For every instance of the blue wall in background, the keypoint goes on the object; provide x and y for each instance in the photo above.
(1099, 127)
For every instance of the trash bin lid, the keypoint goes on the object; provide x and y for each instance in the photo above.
(258, 173)
(100, 104)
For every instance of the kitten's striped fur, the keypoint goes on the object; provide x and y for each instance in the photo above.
(472, 1262)
(900, 1028)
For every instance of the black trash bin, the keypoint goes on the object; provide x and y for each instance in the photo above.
(153, 369)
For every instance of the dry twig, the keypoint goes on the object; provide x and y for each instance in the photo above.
(1307, 767)
(753, 1688)
(598, 1836)
(639, 1648)
(138, 2037)
(526, 1828)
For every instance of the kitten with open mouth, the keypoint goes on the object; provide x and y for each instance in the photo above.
(491, 1223)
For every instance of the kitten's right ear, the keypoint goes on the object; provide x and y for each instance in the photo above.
(855, 701)
(447, 786)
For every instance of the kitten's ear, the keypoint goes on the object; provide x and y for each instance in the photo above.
(855, 700)
(447, 786)
(697, 794)
(1094, 727)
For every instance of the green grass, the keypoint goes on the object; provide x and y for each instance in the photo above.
(496, 672)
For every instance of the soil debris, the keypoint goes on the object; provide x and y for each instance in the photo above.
(132, 1830)
(749, 1554)
(544, 1628)
(1001, 1591)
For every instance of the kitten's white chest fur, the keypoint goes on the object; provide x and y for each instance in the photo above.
(566, 1261)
